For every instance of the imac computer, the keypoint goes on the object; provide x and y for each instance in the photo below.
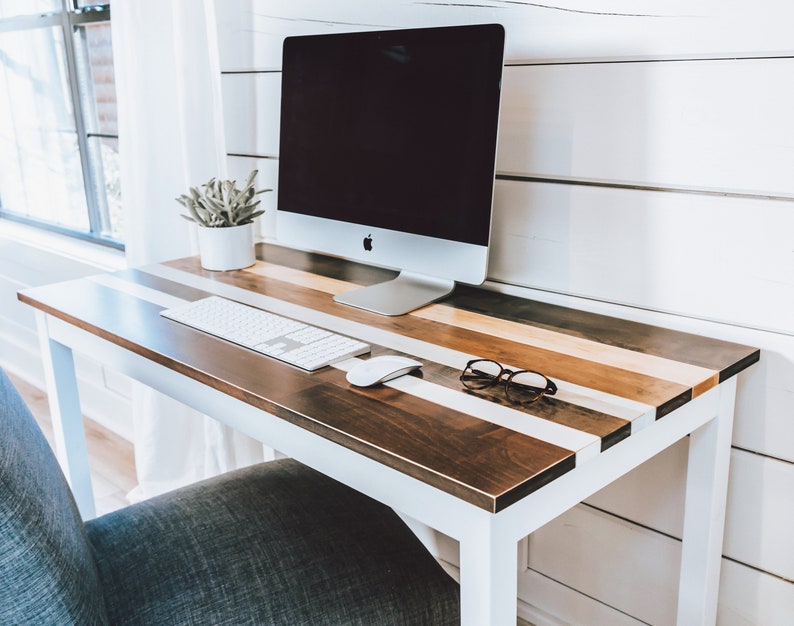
(387, 155)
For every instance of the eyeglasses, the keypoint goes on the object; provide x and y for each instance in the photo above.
(521, 387)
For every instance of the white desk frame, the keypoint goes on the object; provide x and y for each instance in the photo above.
(488, 542)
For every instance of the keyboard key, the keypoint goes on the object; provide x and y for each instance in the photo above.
(305, 346)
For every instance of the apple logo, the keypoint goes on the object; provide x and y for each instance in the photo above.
(368, 243)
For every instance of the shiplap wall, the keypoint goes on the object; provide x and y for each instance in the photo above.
(645, 170)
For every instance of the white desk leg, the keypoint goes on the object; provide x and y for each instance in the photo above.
(488, 579)
(704, 518)
(67, 418)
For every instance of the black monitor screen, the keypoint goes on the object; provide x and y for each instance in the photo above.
(393, 129)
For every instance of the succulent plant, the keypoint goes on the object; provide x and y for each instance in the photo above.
(220, 204)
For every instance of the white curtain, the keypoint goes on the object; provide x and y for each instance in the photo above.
(170, 138)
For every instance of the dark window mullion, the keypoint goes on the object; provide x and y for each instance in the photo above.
(87, 15)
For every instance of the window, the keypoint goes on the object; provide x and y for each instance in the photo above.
(58, 127)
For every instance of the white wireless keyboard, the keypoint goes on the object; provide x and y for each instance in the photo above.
(282, 338)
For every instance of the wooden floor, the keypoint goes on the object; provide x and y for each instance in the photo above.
(111, 458)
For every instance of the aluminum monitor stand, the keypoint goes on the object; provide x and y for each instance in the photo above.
(399, 296)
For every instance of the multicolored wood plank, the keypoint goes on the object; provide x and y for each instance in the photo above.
(615, 377)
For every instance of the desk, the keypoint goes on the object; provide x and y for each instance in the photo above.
(475, 468)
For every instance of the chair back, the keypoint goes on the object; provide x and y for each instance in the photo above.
(46, 567)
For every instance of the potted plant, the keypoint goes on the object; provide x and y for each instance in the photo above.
(225, 217)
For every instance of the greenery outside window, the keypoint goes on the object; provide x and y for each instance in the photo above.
(58, 127)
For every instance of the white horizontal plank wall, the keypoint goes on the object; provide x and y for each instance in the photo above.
(687, 125)
(646, 171)
(252, 31)
(267, 178)
(665, 246)
(727, 259)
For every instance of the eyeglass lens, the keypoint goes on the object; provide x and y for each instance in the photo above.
(481, 374)
(525, 387)
(520, 387)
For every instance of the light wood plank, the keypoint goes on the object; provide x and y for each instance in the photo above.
(602, 378)
(651, 365)
(399, 437)
(323, 403)
(274, 388)
(765, 399)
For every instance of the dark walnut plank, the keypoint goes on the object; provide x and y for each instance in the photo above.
(723, 356)
(607, 427)
(487, 465)
(662, 394)
(675, 345)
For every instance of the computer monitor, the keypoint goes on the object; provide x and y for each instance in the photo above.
(387, 155)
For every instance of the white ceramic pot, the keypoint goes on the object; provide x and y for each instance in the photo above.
(230, 248)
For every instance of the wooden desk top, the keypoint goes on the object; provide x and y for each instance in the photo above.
(615, 376)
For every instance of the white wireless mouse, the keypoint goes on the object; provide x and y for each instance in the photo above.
(379, 369)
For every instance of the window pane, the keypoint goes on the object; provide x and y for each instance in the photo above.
(40, 171)
(97, 80)
(10, 8)
(104, 158)
(94, 57)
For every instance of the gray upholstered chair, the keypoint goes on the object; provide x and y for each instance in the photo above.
(276, 543)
